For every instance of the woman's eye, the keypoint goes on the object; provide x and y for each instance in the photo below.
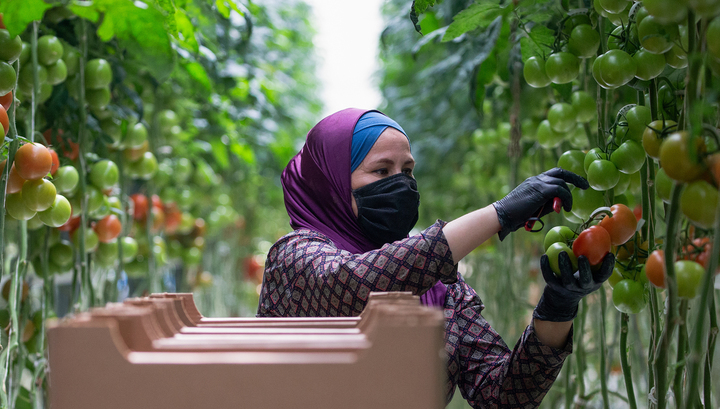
(382, 171)
(408, 171)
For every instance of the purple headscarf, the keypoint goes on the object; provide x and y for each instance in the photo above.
(318, 192)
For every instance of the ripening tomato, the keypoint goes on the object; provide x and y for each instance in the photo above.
(621, 226)
(4, 120)
(6, 100)
(593, 243)
(140, 206)
(71, 224)
(680, 156)
(655, 268)
(15, 182)
(55, 162)
(698, 203)
(108, 228)
(33, 161)
(654, 135)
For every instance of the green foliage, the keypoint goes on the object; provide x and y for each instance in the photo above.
(17, 14)
(477, 16)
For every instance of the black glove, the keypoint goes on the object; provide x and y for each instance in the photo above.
(534, 194)
(559, 302)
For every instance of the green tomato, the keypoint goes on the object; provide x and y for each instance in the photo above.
(183, 170)
(628, 157)
(98, 99)
(613, 6)
(39, 194)
(616, 276)
(135, 135)
(649, 65)
(7, 78)
(637, 118)
(129, 248)
(562, 67)
(689, 276)
(66, 179)
(558, 234)
(621, 187)
(15, 207)
(663, 185)
(95, 198)
(676, 57)
(144, 168)
(629, 296)
(635, 183)
(137, 268)
(167, 119)
(602, 175)
(534, 73)
(548, 137)
(72, 59)
(10, 47)
(584, 41)
(617, 68)
(585, 106)
(553, 252)
(35, 223)
(573, 160)
(58, 214)
(574, 19)
(667, 11)
(597, 72)
(593, 155)
(112, 129)
(656, 37)
(57, 73)
(91, 240)
(26, 76)
(706, 9)
(98, 74)
(49, 50)
(106, 254)
(61, 254)
(104, 174)
(698, 203)
(585, 202)
(562, 117)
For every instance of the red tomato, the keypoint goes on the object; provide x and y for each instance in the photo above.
(140, 206)
(593, 243)
(700, 251)
(15, 182)
(68, 148)
(4, 120)
(638, 212)
(108, 228)
(71, 224)
(621, 225)
(55, 162)
(6, 100)
(33, 161)
(655, 268)
(173, 215)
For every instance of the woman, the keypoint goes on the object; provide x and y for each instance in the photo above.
(352, 201)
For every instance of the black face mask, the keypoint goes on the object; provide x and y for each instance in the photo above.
(388, 208)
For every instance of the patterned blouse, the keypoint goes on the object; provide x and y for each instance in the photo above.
(306, 275)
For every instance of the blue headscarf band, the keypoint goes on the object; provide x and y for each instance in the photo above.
(367, 131)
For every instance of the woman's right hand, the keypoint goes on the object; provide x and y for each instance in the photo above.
(534, 197)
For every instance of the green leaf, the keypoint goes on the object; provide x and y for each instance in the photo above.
(219, 150)
(479, 15)
(169, 9)
(17, 14)
(185, 32)
(244, 152)
(139, 28)
(222, 8)
(198, 73)
(421, 5)
(537, 43)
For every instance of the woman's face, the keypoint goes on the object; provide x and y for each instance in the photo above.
(389, 156)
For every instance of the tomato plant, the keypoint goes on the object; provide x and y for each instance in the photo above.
(593, 243)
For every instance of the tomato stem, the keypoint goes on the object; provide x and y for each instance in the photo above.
(681, 351)
(36, 79)
(603, 350)
(627, 372)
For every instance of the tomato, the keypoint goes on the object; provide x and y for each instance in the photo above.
(689, 276)
(667, 11)
(534, 73)
(656, 37)
(629, 157)
(135, 135)
(593, 155)
(58, 214)
(713, 37)
(5, 101)
(698, 203)
(98, 74)
(15, 182)
(548, 137)
(573, 160)
(593, 243)
(108, 228)
(621, 226)
(140, 206)
(104, 174)
(562, 117)
(558, 234)
(680, 157)
(61, 254)
(553, 252)
(39, 194)
(91, 240)
(10, 47)
(586, 201)
(637, 118)
(106, 254)
(616, 276)
(134, 154)
(33, 161)
(98, 99)
(706, 9)
(584, 41)
(7, 78)
(621, 187)
(71, 57)
(183, 170)
(112, 129)
(663, 185)
(103, 210)
(629, 296)
(15, 207)
(613, 6)
(68, 148)
(562, 67)
(649, 65)
(676, 57)
(95, 198)
(585, 106)
(129, 248)
(49, 49)
(4, 120)
(617, 68)
(66, 179)
(26, 76)
(602, 175)
(654, 134)
(655, 268)
(145, 167)
(57, 73)
(71, 224)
